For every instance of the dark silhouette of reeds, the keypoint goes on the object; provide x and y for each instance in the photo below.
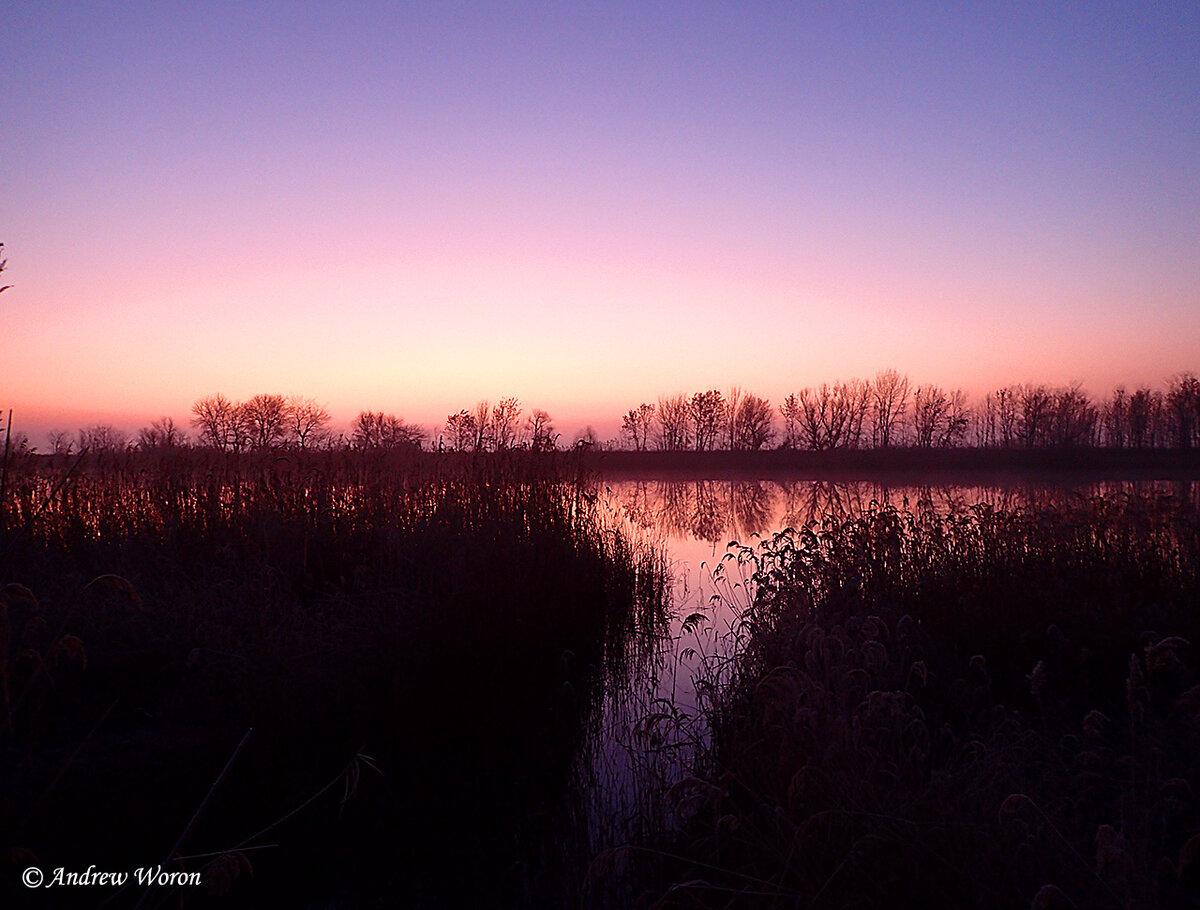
(418, 642)
(987, 708)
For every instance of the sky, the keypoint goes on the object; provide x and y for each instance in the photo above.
(410, 207)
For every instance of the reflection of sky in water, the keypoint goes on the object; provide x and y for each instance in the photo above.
(695, 521)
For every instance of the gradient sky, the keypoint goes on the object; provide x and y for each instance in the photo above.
(409, 207)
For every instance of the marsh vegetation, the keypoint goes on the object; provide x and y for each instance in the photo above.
(977, 700)
(419, 647)
(429, 679)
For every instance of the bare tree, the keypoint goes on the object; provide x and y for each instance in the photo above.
(61, 442)
(265, 420)
(1116, 419)
(484, 436)
(814, 405)
(217, 420)
(931, 410)
(1183, 410)
(856, 396)
(460, 428)
(541, 431)
(161, 434)
(831, 417)
(958, 420)
(706, 411)
(1073, 417)
(792, 414)
(504, 423)
(889, 402)
(672, 429)
(1144, 408)
(307, 422)
(754, 424)
(636, 425)
(1036, 415)
(997, 419)
(1008, 401)
(733, 402)
(377, 430)
(102, 438)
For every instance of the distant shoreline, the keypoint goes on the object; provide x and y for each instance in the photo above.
(969, 465)
(911, 466)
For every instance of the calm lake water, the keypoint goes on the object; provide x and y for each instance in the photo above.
(695, 522)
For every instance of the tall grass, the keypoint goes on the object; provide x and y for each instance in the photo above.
(447, 623)
(994, 708)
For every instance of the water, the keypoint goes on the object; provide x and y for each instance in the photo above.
(651, 733)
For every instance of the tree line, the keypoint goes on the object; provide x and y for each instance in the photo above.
(883, 412)
(275, 422)
(891, 411)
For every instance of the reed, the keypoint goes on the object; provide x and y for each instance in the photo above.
(993, 708)
(446, 622)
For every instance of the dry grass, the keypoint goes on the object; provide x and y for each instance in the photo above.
(987, 709)
(448, 621)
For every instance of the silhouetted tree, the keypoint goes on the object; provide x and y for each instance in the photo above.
(706, 411)
(1144, 408)
(1183, 409)
(484, 437)
(754, 423)
(889, 402)
(541, 431)
(733, 403)
(1036, 415)
(1074, 417)
(814, 407)
(460, 428)
(958, 420)
(1009, 412)
(161, 434)
(997, 420)
(217, 421)
(307, 422)
(505, 424)
(377, 430)
(102, 438)
(792, 414)
(61, 442)
(636, 426)
(931, 410)
(1116, 419)
(264, 418)
(831, 417)
(672, 428)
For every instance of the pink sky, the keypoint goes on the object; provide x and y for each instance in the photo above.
(589, 209)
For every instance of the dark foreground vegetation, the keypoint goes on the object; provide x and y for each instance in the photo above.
(983, 709)
(393, 664)
(418, 645)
